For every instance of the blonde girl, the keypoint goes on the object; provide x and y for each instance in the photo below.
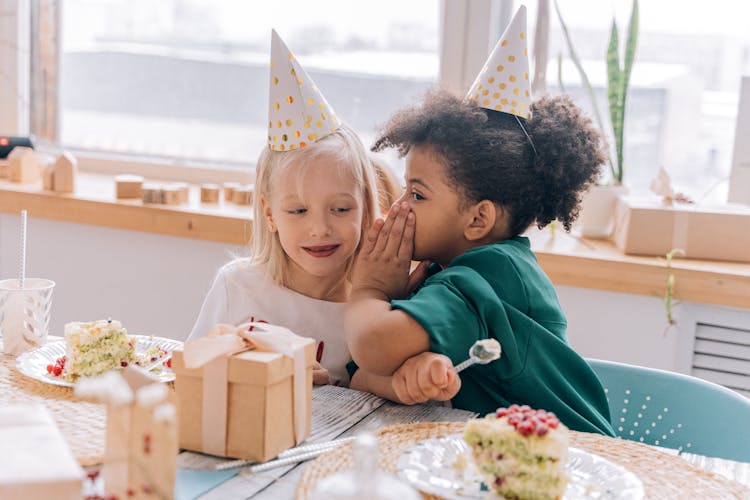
(310, 208)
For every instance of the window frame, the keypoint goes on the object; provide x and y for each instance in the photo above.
(468, 29)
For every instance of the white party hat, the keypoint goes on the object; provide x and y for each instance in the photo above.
(503, 84)
(298, 114)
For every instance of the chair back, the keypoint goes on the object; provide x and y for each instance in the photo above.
(675, 410)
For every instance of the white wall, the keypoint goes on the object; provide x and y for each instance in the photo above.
(622, 327)
(154, 284)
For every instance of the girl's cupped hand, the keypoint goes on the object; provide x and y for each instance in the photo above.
(385, 257)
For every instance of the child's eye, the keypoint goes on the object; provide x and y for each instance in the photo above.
(297, 211)
(341, 210)
(416, 196)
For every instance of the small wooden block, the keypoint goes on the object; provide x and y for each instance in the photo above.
(210, 193)
(4, 169)
(229, 188)
(171, 195)
(243, 195)
(152, 193)
(65, 172)
(183, 190)
(24, 165)
(129, 186)
(48, 178)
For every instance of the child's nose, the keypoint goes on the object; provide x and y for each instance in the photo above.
(320, 225)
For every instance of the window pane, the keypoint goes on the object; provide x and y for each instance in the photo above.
(189, 78)
(682, 103)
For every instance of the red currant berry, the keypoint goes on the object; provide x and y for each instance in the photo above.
(525, 428)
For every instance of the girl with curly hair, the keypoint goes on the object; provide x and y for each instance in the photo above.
(479, 172)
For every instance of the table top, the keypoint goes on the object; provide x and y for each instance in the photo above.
(337, 412)
(340, 412)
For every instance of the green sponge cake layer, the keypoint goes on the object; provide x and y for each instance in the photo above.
(96, 347)
(520, 452)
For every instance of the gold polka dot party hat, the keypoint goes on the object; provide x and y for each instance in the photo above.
(298, 114)
(503, 84)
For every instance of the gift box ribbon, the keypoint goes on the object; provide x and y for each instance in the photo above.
(212, 352)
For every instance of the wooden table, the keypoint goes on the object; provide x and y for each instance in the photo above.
(340, 412)
(337, 412)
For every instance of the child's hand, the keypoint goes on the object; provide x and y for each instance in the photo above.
(424, 377)
(384, 260)
(320, 374)
(417, 276)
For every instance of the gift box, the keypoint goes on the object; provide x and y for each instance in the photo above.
(252, 404)
(36, 462)
(140, 451)
(648, 226)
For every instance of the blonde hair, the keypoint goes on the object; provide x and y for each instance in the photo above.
(389, 185)
(343, 145)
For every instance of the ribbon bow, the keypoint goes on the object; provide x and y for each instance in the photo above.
(212, 352)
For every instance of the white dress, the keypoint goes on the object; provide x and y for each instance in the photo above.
(241, 290)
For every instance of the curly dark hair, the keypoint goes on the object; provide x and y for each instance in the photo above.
(488, 156)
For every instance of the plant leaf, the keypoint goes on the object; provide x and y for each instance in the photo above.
(629, 57)
(559, 73)
(585, 82)
(615, 79)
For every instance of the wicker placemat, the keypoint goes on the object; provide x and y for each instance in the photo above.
(663, 475)
(80, 422)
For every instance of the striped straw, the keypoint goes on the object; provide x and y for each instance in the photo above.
(22, 272)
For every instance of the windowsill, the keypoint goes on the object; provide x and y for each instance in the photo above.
(567, 259)
(167, 169)
(598, 264)
(94, 202)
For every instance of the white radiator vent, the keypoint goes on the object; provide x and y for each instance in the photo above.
(722, 355)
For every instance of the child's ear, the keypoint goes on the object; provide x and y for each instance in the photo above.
(266, 205)
(482, 218)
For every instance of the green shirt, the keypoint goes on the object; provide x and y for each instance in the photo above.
(499, 291)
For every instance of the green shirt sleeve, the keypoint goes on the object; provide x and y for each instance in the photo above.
(351, 368)
(456, 308)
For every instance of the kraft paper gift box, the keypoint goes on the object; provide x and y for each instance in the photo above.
(140, 451)
(36, 462)
(251, 404)
(648, 226)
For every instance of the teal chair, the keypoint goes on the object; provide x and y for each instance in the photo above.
(675, 411)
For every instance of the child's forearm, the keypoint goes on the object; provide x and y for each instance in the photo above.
(363, 314)
(379, 385)
(381, 339)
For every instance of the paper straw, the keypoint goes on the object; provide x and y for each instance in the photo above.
(22, 273)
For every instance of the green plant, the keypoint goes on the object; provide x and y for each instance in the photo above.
(669, 302)
(618, 80)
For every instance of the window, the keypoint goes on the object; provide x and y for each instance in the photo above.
(682, 105)
(188, 79)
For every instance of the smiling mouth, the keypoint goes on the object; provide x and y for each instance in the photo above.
(321, 251)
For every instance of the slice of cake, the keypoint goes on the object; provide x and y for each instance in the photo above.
(520, 452)
(96, 347)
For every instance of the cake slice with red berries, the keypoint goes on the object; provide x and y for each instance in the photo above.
(520, 452)
(95, 347)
